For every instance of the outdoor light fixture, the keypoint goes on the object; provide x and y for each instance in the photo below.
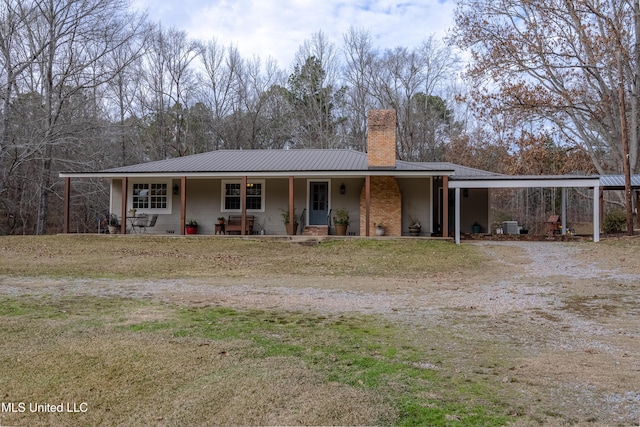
(176, 189)
(343, 189)
(465, 192)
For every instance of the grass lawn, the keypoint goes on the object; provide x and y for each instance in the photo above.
(132, 361)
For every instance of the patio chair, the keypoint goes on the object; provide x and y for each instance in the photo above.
(552, 225)
(144, 223)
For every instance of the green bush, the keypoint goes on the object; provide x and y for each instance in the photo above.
(615, 221)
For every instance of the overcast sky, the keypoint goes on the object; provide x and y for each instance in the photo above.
(277, 28)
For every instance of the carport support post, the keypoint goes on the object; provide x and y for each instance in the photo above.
(564, 210)
(457, 208)
(596, 214)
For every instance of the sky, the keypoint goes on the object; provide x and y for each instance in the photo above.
(276, 28)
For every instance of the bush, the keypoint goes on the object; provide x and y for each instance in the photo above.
(615, 221)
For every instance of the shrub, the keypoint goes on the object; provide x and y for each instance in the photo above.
(615, 221)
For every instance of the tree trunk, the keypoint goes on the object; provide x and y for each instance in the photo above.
(625, 146)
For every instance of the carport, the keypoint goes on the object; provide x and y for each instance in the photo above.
(530, 181)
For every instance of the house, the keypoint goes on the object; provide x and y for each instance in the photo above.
(374, 187)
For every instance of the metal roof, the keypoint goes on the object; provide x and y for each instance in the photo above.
(617, 181)
(462, 171)
(341, 161)
(271, 161)
(255, 161)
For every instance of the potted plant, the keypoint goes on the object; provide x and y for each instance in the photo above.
(221, 220)
(341, 220)
(524, 230)
(379, 229)
(291, 227)
(476, 228)
(191, 227)
(415, 227)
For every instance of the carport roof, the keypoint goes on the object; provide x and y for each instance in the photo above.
(616, 182)
(523, 181)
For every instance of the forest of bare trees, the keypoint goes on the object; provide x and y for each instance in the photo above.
(89, 84)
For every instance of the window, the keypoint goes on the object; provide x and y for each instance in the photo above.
(231, 196)
(149, 196)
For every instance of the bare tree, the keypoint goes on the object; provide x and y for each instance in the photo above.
(572, 65)
(67, 41)
(223, 68)
(359, 57)
(405, 78)
(556, 61)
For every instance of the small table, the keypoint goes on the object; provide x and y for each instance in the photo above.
(220, 229)
(131, 220)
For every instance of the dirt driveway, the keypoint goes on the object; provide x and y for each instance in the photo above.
(565, 316)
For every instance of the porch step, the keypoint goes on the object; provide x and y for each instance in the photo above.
(315, 230)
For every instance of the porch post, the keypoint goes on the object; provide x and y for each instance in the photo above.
(243, 205)
(67, 205)
(564, 210)
(123, 205)
(445, 207)
(600, 200)
(183, 203)
(292, 207)
(367, 204)
(457, 220)
(596, 214)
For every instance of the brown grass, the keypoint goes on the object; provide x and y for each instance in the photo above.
(174, 257)
(84, 351)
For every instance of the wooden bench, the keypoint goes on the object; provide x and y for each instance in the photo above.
(234, 224)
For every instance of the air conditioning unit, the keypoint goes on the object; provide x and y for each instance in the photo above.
(510, 227)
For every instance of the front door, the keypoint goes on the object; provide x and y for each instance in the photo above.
(318, 203)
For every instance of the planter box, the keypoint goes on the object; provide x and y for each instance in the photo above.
(190, 229)
(414, 231)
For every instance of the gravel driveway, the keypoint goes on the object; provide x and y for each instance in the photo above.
(568, 313)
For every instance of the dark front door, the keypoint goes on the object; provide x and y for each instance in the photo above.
(318, 203)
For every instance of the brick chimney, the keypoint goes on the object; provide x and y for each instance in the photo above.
(381, 139)
(385, 200)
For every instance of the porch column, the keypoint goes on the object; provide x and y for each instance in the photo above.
(243, 205)
(445, 207)
(367, 204)
(596, 215)
(457, 219)
(67, 205)
(183, 203)
(564, 210)
(123, 207)
(292, 207)
(600, 200)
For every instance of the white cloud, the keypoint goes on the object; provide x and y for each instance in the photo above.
(278, 28)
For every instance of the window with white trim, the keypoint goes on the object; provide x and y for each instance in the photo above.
(151, 197)
(231, 196)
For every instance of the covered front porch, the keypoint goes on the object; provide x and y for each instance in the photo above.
(265, 200)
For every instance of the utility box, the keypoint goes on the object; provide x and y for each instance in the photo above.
(510, 227)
